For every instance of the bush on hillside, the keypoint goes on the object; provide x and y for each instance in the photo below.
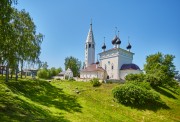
(48, 73)
(95, 82)
(153, 80)
(130, 94)
(71, 79)
(135, 77)
(43, 73)
(143, 84)
(173, 83)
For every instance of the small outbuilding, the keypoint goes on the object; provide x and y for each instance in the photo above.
(68, 74)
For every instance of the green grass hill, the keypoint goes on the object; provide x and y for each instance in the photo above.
(29, 100)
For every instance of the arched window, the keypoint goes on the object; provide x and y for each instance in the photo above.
(112, 66)
(92, 45)
(109, 62)
(89, 45)
(105, 67)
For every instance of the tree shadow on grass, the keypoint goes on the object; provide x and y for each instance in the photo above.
(173, 90)
(46, 94)
(12, 108)
(164, 92)
(153, 106)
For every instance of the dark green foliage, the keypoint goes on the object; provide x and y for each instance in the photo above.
(71, 79)
(43, 73)
(174, 88)
(48, 73)
(19, 40)
(135, 77)
(54, 71)
(95, 82)
(173, 83)
(143, 84)
(159, 68)
(153, 80)
(130, 94)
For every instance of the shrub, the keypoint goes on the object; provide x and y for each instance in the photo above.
(143, 84)
(43, 73)
(135, 77)
(153, 80)
(109, 81)
(173, 83)
(95, 82)
(130, 94)
(71, 79)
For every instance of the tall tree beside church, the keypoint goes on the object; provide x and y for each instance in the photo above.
(6, 31)
(74, 64)
(19, 41)
(160, 67)
(5, 16)
(27, 42)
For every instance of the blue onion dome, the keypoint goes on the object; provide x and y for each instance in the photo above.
(104, 46)
(129, 46)
(118, 41)
(130, 67)
(114, 40)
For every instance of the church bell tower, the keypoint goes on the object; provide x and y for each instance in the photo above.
(89, 48)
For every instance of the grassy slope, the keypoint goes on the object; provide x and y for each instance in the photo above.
(58, 101)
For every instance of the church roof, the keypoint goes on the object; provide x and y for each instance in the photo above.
(90, 37)
(129, 67)
(68, 70)
(62, 73)
(117, 49)
(92, 68)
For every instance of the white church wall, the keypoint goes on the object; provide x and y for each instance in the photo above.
(123, 73)
(111, 66)
(125, 58)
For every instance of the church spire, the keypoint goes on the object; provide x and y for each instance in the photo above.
(90, 37)
(90, 48)
(118, 41)
(104, 46)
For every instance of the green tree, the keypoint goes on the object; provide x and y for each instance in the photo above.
(6, 31)
(43, 73)
(74, 64)
(48, 73)
(160, 67)
(58, 70)
(27, 46)
(44, 65)
(19, 41)
(5, 16)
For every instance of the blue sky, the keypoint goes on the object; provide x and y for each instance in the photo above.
(153, 26)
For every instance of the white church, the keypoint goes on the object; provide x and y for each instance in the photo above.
(115, 63)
